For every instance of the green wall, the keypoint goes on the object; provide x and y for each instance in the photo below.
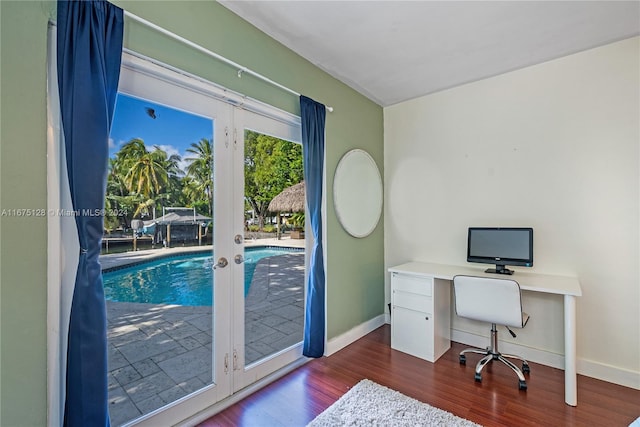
(355, 274)
(23, 241)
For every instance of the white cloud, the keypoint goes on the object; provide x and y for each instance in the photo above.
(112, 144)
(171, 150)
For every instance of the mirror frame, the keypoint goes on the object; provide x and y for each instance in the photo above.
(357, 181)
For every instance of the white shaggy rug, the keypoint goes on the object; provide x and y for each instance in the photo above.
(370, 404)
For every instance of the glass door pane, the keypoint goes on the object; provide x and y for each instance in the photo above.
(168, 330)
(270, 299)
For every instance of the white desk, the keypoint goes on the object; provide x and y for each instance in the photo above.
(569, 287)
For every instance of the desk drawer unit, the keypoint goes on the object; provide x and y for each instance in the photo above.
(420, 315)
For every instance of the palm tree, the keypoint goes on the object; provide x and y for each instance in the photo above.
(148, 174)
(144, 208)
(193, 194)
(116, 201)
(133, 149)
(200, 171)
(171, 163)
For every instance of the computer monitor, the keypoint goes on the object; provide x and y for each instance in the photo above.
(501, 246)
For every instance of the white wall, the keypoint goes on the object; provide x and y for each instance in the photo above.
(553, 146)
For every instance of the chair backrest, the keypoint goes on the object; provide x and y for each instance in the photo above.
(489, 300)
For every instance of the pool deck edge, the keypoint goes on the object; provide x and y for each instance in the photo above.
(112, 261)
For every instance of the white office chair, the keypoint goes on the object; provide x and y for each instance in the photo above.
(496, 301)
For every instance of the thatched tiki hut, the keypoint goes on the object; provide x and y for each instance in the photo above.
(291, 199)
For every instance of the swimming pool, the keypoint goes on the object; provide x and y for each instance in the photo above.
(181, 280)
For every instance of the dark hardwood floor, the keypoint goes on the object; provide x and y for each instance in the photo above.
(297, 398)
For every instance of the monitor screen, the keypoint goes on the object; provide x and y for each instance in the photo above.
(500, 246)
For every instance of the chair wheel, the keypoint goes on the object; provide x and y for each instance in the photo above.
(478, 378)
(463, 359)
(525, 368)
(522, 385)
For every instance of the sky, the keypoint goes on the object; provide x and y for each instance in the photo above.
(172, 130)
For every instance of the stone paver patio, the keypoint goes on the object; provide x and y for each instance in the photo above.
(160, 353)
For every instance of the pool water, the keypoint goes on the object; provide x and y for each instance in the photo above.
(181, 280)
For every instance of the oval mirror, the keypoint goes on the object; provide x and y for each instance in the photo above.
(357, 193)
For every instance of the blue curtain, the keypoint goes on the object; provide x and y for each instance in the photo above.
(313, 118)
(89, 54)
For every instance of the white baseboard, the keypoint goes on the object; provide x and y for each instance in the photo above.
(354, 334)
(543, 357)
(608, 373)
(588, 368)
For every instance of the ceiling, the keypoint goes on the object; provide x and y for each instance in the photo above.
(392, 51)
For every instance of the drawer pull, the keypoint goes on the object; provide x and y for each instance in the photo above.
(426, 318)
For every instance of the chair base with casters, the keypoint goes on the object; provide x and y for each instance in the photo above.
(491, 354)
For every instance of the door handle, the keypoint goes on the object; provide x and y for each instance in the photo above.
(239, 259)
(238, 239)
(222, 263)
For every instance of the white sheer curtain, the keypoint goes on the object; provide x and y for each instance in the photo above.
(62, 244)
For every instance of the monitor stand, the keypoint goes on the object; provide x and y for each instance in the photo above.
(500, 269)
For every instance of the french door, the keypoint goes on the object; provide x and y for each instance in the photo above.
(266, 336)
(231, 357)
